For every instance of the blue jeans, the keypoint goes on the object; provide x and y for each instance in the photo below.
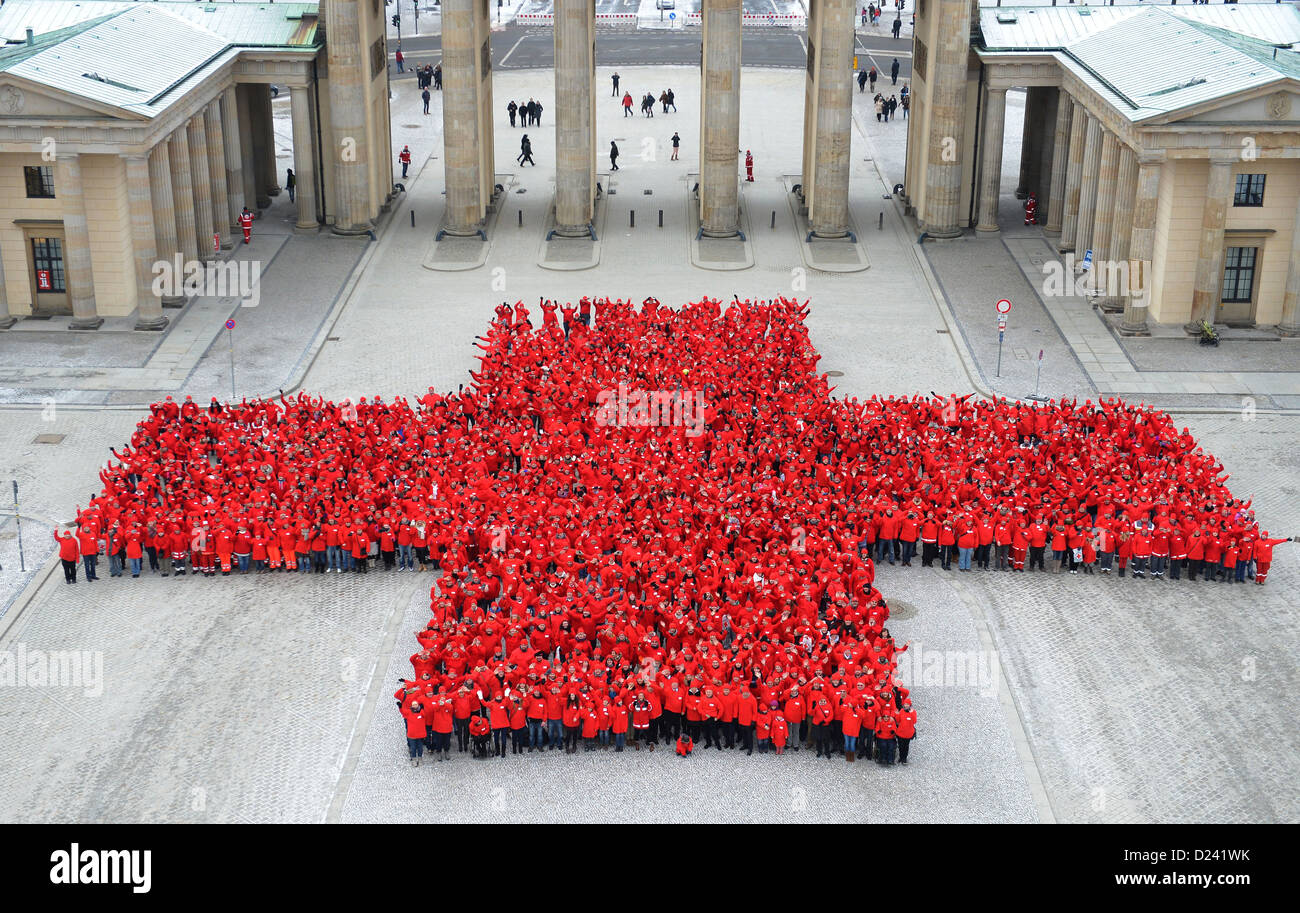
(114, 565)
(335, 557)
(1241, 571)
(406, 556)
(885, 548)
(850, 743)
(620, 739)
(415, 746)
(135, 566)
(963, 558)
(243, 563)
(349, 562)
(89, 562)
(554, 733)
(909, 549)
(534, 732)
(304, 563)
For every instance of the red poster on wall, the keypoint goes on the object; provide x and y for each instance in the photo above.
(43, 280)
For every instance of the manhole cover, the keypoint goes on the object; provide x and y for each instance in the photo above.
(648, 193)
(49, 439)
(834, 373)
(942, 332)
(411, 126)
(900, 610)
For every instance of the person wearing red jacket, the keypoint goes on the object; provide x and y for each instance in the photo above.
(442, 708)
(780, 732)
(620, 721)
(851, 726)
(905, 730)
(640, 713)
(480, 731)
(885, 737)
(820, 716)
(1263, 555)
(67, 555)
(416, 730)
(88, 545)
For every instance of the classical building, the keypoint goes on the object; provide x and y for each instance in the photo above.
(1165, 140)
(131, 133)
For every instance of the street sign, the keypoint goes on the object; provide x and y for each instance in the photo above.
(216, 243)
(672, 15)
(1087, 260)
(43, 280)
(1004, 306)
(1002, 322)
(230, 324)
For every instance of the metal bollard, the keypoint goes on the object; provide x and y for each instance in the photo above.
(521, 218)
(661, 218)
(881, 226)
(412, 218)
(774, 218)
(631, 218)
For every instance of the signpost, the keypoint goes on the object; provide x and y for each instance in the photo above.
(230, 327)
(1004, 306)
(1035, 395)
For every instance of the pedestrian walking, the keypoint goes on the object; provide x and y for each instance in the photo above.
(290, 183)
(672, 100)
(510, 110)
(749, 165)
(879, 103)
(404, 157)
(893, 72)
(677, 141)
(614, 79)
(401, 66)
(893, 106)
(627, 104)
(613, 156)
(663, 100)
(537, 114)
(437, 78)
(898, 25)
(246, 223)
(862, 79)
(526, 152)
(871, 77)
(426, 96)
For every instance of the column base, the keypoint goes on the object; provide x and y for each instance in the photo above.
(351, 231)
(943, 234)
(720, 234)
(1051, 232)
(982, 232)
(573, 231)
(1110, 306)
(1134, 330)
(152, 324)
(173, 302)
(7, 321)
(309, 228)
(838, 234)
(1288, 332)
(86, 323)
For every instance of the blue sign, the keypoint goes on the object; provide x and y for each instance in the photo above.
(672, 15)
(1087, 259)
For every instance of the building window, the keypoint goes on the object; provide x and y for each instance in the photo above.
(1250, 190)
(47, 261)
(40, 181)
(1239, 274)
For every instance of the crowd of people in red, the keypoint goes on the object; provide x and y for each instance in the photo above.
(632, 581)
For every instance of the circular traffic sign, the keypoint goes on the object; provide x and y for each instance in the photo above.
(1004, 306)
(230, 324)
(672, 15)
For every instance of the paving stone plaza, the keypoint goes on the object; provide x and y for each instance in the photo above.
(268, 699)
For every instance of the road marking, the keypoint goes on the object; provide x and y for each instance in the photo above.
(502, 61)
(802, 44)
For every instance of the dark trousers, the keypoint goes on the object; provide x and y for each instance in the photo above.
(1036, 557)
(928, 551)
(982, 555)
(462, 734)
(69, 570)
(89, 561)
(903, 745)
(909, 549)
(1003, 551)
(711, 734)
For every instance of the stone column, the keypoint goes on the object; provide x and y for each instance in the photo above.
(948, 63)
(830, 92)
(248, 152)
(204, 225)
(217, 174)
(76, 243)
(575, 116)
(304, 159)
(144, 248)
(1104, 211)
(164, 210)
(1031, 141)
(995, 110)
(1088, 186)
(259, 121)
(268, 173)
(1142, 246)
(462, 122)
(1209, 258)
(6, 319)
(1060, 159)
(234, 161)
(1289, 323)
(1121, 232)
(720, 119)
(1073, 177)
(178, 149)
(350, 152)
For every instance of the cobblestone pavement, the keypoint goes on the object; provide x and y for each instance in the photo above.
(267, 698)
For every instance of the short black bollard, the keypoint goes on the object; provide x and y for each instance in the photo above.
(412, 218)
(661, 218)
(521, 218)
(774, 218)
(631, 218)
(881, 226)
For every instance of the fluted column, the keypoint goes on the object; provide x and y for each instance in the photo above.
(204, 225)
(575, 116)
(948, 64)
(164, 209)
(1031, 140)
(1289, 323)
(1142, 245)
(1060, 159)
(1073, 177)
(1107, 174)
(304, 159)
(1121, 232)
(268, 172)
(6, 319)
(1209, 258)
(234, 161)
(720, 119)
(144, 248)
(828, 131)
(217, 174)
(178, 150)
(995, 110)
(76, 243)
(462, 121)
(1088, 186)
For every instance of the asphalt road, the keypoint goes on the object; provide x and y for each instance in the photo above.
(523, 47)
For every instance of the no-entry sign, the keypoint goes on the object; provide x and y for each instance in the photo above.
(1004, 306)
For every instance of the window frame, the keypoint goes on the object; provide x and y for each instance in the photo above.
(46, 259)
(43, 173)
(1244, 196)
(1237, 270)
